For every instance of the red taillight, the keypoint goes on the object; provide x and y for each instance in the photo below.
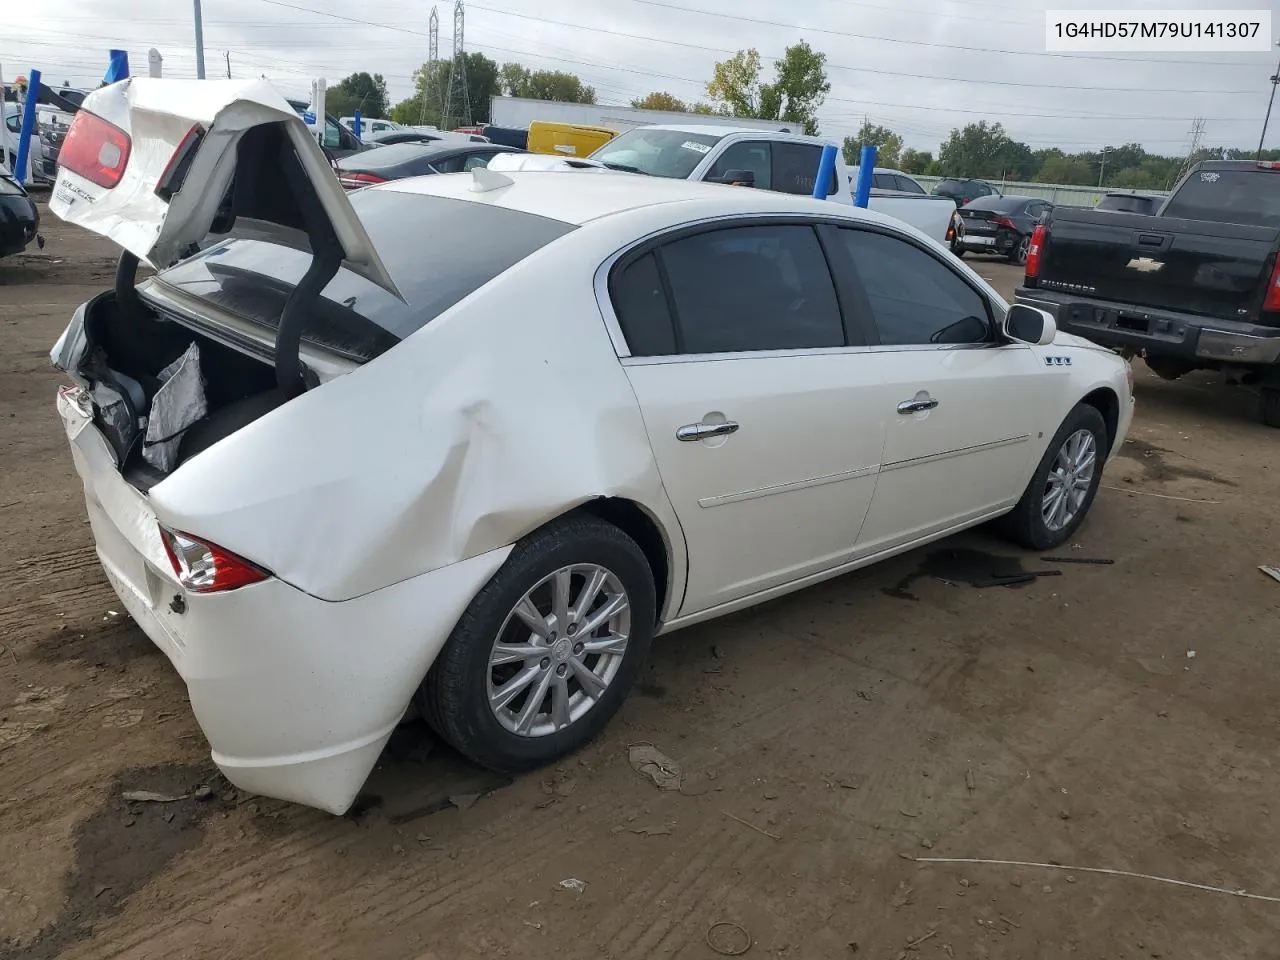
(1033, 252)
(354, 181)
(204, 567)
(1269, 164)
(95, 150)
(1006, 223)
(1272, 302)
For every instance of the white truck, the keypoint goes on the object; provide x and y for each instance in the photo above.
(765, 159)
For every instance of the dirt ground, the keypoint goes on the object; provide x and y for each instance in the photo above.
(1122, 717)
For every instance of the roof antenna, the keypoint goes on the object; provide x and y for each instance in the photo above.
(483, 180)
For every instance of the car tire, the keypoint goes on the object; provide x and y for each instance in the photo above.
(456, 695)
(1269, 406)
(1019, 254)
(1031, 523)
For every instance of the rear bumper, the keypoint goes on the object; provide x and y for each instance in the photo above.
(1201, 341)
(1004, 242)
(297, 696)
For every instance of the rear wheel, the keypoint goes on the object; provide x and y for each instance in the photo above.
(1019, 253)
(547, 651)
(1064, 485)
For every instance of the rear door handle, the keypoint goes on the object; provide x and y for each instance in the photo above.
(701, 431)
(917, 404)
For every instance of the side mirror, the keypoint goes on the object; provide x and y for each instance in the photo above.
(1029, 325)
(737, 178)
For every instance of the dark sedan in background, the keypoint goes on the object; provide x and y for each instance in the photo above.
(962, 191)
(400, 160)
(1000, 225)
(19, 217)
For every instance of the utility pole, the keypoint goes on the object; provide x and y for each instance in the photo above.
(1275, 79)
(1103, 169)
(227, 54)
(199, 41)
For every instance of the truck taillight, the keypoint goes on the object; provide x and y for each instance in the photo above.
(1272, 302)
(1033, 252)
(95, 149)
(204, 567)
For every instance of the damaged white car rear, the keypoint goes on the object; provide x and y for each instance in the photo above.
(472, 440)
(300, 529)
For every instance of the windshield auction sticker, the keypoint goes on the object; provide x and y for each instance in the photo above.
(1156, 31)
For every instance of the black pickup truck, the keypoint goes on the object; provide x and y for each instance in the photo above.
(1194, 286)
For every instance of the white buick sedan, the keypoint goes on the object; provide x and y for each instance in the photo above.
(474, 440)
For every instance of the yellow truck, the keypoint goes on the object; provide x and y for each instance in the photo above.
(567, 139)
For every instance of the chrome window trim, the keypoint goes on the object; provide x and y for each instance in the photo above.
(605, 303)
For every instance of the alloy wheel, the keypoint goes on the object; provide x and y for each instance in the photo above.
(559, 649)
(1069, 480)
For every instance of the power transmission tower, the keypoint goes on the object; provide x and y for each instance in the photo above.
(457, 98)
(433, 62)
(1197, 135)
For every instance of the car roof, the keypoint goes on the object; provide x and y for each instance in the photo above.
(578, 197)
(1005, 201)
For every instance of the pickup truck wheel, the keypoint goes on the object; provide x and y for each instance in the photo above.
(1064, 485)
(548, 649)
(1269, 406)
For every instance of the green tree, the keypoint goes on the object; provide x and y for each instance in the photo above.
(519, 81)
(797, 92)
(915, 161)
(427, 102)
(710, 109)
(660, 100)
(983, 149)
(889, 145)
(800, 88)
(483, 84)
(1073, 170)
(735, 84)
(359, 91)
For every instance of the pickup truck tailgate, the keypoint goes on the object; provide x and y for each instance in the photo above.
(1193, 266)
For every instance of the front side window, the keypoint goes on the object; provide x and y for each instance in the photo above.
(752, 288)
(914, 298)
(753, 155)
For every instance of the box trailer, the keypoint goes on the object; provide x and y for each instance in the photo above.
(519, 112)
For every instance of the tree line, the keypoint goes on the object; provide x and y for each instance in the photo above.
(739, 87)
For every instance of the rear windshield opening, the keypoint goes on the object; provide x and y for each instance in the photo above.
(437, 250)
(1230, 196)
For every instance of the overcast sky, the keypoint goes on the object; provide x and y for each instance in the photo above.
(920, 67)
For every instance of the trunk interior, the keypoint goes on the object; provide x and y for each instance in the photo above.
(139, 344)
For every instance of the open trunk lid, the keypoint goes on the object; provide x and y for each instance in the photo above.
(159, 165)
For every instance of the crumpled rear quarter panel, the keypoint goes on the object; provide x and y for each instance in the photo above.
(506, 411)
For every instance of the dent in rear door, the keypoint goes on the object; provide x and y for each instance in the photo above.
(158, 116)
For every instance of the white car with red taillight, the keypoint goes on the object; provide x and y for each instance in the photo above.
(474, 439)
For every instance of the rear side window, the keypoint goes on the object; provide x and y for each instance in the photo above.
(437, 250)
(795, 168)
(1228, 196)
(640, 301)
(752, 288)
(907, 185)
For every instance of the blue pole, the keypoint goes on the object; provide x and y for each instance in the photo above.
(357, 125)
(866, 169)
(826, 167)
(117, 66)
(28, 123)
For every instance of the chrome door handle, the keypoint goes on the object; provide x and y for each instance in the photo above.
(916, 405)
(701, 431)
